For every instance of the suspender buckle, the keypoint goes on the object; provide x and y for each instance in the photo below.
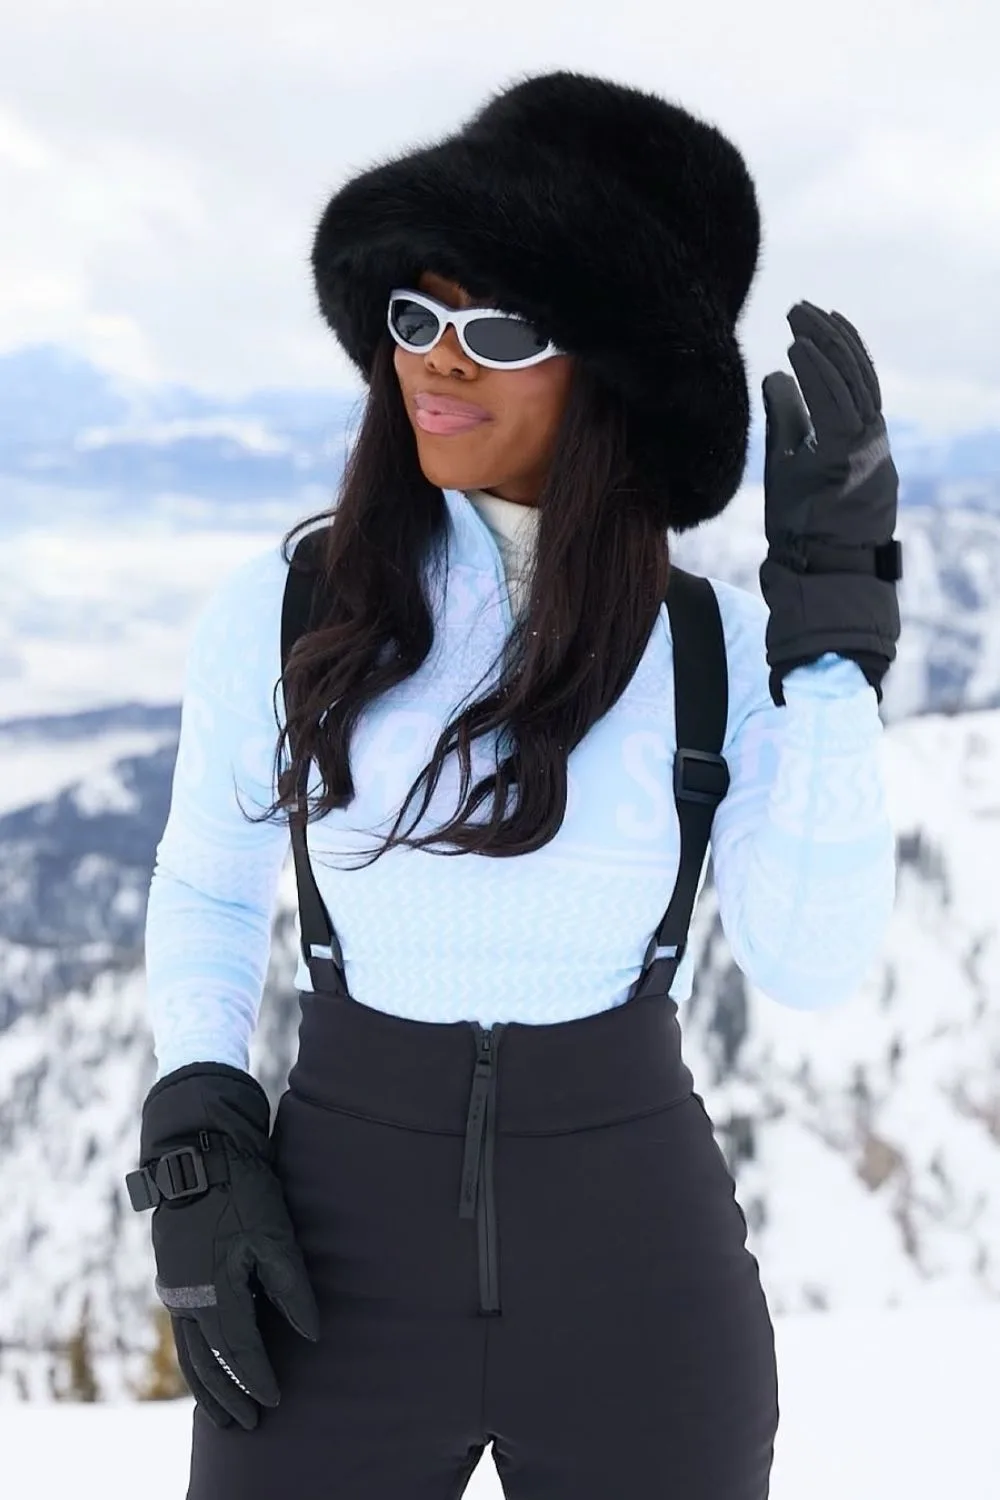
(700, 777)
(653, 948)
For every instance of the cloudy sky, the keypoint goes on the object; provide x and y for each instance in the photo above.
(163, 164)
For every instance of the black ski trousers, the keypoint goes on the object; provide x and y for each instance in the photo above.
(524, 1236)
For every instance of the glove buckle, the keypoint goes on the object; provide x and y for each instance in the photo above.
(889, 561)
(171, 1179)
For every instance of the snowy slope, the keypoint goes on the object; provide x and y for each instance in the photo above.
(871, 1162)
(74, 1068)
(873, 1406)
(948, 658)
(866, 1141)
(99, 612)
(75, 862)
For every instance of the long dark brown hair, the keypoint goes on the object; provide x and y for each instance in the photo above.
(600, 574)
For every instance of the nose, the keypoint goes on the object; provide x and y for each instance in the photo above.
(448, 352)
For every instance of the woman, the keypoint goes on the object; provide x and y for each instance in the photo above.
(492, 1210)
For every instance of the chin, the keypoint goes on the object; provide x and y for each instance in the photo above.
(454, 475)
(458, 462)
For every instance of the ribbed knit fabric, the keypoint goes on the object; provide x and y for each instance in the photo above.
(802, 847)
(514, 528)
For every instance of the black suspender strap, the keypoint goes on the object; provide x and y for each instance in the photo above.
(321, 950)
(701, 775)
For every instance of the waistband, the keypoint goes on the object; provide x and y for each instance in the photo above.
(569, 1075)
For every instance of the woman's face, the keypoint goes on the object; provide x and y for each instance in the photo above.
(509, 454)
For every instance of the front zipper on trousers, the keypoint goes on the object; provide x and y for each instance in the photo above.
(477, 1199)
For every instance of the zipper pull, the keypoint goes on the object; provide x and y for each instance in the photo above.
(484, 1051)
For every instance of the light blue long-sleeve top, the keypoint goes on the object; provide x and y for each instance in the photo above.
(802, 850)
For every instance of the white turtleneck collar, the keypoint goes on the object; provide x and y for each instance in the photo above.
(515, 529)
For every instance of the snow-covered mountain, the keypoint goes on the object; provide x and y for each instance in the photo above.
(97, 441)
(948, 658)
(67, 425)
(865, 1141)
(120, 504)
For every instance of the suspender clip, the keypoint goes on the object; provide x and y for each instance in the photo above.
(700, 777)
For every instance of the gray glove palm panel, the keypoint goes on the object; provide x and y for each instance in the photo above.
(220, 1223)
(830, 506)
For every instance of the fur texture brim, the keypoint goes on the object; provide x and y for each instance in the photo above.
(624, 227)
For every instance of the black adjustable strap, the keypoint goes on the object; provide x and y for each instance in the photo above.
(701, 775)
(321, 949)
(804, 554)
(184, 1172)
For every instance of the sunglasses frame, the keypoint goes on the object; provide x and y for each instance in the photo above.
(458, 317)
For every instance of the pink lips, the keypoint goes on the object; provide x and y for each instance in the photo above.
(445, 415)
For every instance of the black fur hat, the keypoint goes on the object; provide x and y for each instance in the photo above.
(626, 229)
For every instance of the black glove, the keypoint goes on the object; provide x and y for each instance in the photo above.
(219, 1218)
(830, 500)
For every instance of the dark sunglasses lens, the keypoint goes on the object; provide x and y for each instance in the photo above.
(503, 339)
(416, 325)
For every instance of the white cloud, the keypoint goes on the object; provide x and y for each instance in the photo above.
(891, 181)
(944, 405)
(163, 166)
(21, 149)
(250, 435)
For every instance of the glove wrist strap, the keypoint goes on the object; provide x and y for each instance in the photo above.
(805, 554)
(184, 1172)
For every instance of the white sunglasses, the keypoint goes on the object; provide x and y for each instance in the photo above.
(499, 340)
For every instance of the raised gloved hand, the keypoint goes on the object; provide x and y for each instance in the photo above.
(219, 1219)
(830, 502)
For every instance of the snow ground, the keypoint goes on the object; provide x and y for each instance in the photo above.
(875, 1405)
